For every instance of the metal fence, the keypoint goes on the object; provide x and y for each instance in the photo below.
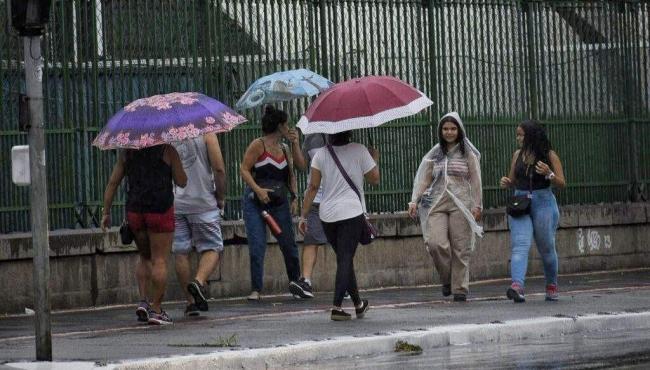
(581, 67)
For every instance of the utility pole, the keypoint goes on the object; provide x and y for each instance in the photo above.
(38, 196)
(29, 17)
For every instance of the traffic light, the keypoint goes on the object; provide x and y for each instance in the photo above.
(29, 17)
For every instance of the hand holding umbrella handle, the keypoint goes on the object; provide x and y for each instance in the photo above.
(374, 153)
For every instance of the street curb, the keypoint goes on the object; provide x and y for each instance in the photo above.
(436, 337)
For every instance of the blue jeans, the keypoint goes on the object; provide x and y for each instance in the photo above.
(541, 224)
(256, 234)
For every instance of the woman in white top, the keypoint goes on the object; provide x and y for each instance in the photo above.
(341, 211)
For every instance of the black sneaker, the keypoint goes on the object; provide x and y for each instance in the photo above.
(191, 310)
(297, 290)
(460, 297)
(361, 311)
(446, 290)
(340, 315)
(516, 293)
(306, 287)
(200, 293)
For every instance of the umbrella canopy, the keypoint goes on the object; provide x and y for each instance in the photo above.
(362, 103)
(166, 118)
(282, 86)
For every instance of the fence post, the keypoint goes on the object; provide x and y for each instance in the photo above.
(322, 8)
(632, 93)
(432, 59)
(532, 69)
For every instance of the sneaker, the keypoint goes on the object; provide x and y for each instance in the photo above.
(200, 293)
(516, 293)
(361, 311)
(460, 297)
(347, 296)
(340, 315)
(446, 290)
(254, 296)
(191, 310)
(159, 318)
(297, 290)
(306, 287)
(552, 293)
(143, 311)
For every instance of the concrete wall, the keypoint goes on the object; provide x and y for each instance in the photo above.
(90, 268)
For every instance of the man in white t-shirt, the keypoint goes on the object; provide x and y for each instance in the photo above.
(342, 210)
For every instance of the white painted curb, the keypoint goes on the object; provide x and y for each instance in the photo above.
(441, 336)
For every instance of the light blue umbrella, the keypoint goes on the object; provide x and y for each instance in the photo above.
(282, 86)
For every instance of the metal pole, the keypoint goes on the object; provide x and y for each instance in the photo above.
(532, 70)
(322, 7)
(433, 47)
(38, 196)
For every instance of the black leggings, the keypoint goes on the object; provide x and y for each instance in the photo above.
(344, 237)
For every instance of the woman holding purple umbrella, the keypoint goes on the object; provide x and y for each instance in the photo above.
(145, 128)
(150, 173)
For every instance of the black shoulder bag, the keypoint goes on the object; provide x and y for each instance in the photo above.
(519, 205)
(369, 232)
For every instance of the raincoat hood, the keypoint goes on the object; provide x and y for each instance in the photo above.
(468, 144)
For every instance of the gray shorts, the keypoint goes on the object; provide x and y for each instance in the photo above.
(200, 230)
(315, 234)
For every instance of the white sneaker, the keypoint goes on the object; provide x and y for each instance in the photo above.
(254, 296)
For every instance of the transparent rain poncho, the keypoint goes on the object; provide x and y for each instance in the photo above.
(432, 181)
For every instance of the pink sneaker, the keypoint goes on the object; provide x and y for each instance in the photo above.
(552, 292)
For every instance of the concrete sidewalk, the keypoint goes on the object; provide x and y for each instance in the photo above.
(303, 328)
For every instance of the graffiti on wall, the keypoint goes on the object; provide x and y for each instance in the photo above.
(590, 240)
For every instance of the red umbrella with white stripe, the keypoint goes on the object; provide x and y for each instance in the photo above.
(362, 103)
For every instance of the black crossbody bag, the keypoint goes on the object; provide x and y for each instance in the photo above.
(519, 205)
(369, 232)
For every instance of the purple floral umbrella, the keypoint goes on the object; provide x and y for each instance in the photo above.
(166, 118)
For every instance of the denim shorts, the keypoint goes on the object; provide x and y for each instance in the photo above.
(315, 234)
(199, 230)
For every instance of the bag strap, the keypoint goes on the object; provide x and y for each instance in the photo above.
(530, 176)
(345, 174)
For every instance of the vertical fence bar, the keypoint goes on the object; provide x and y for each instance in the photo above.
(531, 66)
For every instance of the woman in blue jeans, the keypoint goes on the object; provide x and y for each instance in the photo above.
(271, 186)
(533, 170)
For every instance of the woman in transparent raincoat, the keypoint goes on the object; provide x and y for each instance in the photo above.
(447, 197)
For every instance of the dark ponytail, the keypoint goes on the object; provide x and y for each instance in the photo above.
(272, 119)
(341, 138)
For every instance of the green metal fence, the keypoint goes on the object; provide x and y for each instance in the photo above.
(581, 67)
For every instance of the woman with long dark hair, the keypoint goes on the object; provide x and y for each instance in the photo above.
(267, 170)
(150, 174)
(447, 196)
(342, 209)
(534, 168)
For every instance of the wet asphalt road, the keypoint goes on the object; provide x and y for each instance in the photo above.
(113, 334)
